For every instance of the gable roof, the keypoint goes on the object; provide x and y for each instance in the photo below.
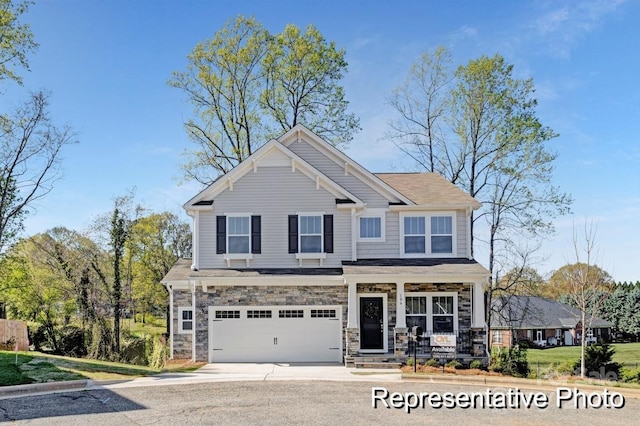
(429, 189)
(299, 132)
(204, 199)
(525, 312)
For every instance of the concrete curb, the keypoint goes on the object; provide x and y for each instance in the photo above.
(20, 390)
(501, 381)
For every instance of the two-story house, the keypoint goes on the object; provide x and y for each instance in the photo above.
(302, 255)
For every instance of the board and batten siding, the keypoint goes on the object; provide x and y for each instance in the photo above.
(335, 172)
(274, 193)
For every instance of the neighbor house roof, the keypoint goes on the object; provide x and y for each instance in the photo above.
(428, 189)
(526, 312)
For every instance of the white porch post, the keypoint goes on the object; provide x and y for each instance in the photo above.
(196, 242)
(352, 303)
(170, 288)
(478, 305)
(193, 327)
(401, 319)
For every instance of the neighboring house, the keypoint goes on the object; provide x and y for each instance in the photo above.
(543, 322)
(302, 255)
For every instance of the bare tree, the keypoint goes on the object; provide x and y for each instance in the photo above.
(585, 290)
(30, 147)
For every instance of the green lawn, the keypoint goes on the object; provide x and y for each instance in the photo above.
(35, 367)
(627, 354)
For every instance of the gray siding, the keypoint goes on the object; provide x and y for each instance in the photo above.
(336, 173)
(390, 247)
(274, 193)
(461, 236)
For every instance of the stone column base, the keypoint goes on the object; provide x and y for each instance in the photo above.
(352, 341)
(401, 341)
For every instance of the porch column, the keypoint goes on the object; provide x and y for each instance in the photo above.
(192, 284)
(478, 320)
(352, 307)
(401, 320)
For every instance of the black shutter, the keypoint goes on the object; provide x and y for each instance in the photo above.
(293, 233)
(328, 233)
(221, 234)
(255, 235)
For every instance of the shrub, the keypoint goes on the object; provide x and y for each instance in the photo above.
(409, 362)
(630, 376)
(476, 364)
(432, 362)
(453, 364)
(510, 361)
(71, 342)
(598, 362)
(159, 353)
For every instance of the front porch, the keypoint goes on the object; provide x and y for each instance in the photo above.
(380, 316)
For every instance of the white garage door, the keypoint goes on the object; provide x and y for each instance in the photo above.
(275, 333)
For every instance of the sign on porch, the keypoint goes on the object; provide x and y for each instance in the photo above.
(443, 346)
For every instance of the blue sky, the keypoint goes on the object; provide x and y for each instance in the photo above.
(106, 65)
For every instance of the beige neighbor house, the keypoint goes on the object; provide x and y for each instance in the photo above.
(302, 255)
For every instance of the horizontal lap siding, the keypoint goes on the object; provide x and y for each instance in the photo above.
(390, 247)
(461, 233)
(274, 193)
(335, 172)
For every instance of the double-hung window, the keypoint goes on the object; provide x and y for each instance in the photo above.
(414, 235)
(424, 235)
(310, 234)
(441, 234)
(436, 313)
(185, 320)
(238, 234)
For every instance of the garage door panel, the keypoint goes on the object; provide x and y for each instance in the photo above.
(285, 337)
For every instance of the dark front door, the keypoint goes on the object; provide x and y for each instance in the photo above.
(371, 323)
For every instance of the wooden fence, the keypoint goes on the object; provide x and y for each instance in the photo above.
(12, 331)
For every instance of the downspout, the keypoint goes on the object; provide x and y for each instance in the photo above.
(354, 252)
(170, 288)
(195, 264)
(469, 233)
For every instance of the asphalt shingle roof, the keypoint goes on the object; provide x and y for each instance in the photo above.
(524, 312)
(428, 189)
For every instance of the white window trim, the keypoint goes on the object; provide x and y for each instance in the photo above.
(230, 256)
(429, 295)
(180, 320)
(373, 213)
(427, 229)
(314, 255)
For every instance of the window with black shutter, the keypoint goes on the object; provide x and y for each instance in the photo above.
(221, 234)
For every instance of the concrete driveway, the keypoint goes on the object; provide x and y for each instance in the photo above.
(225, 372)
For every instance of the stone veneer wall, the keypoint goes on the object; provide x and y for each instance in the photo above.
(243, 296)
(464, 341)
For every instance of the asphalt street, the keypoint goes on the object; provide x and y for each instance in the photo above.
(284, 402)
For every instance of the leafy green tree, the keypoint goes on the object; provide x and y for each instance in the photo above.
(16, 39)
(156, 242)
(301, 85)
(248, 86)
(477, 126)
